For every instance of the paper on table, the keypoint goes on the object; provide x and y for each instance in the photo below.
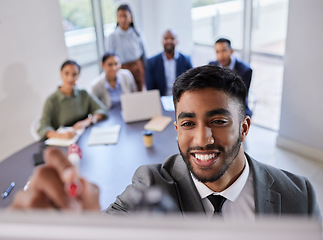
(167, 102)
(104, 135)
(158, 123)
(64, 142)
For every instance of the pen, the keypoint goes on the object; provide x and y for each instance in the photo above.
(74, 188)
(6, 193)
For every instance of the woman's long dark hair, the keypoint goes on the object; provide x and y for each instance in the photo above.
(126, 7)
(71, 62)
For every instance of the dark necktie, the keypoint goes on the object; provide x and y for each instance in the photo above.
(217, 202)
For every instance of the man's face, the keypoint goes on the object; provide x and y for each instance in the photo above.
(223, 53)
(204, 114)
(169, 42)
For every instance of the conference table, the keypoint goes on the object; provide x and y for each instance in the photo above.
(111, 167)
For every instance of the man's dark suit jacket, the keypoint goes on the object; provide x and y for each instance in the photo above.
(155, 72)
(243, 70)
(276, 191)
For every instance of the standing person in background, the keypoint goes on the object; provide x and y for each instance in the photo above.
(69, 106)
(126, 42)
(226, 59)
(165, 67)
(113, 81)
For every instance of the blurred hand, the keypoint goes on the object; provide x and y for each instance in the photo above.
(82, 124)
(47, 186)
(67, 135)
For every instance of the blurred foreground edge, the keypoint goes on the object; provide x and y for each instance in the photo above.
(68, 225)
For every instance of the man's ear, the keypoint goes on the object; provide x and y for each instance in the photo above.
(245, 125)
(175, 124)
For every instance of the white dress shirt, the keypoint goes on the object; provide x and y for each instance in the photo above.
(240, 201)
(232, 63)
(170, 71)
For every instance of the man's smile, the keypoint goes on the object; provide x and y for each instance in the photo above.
(205, 159)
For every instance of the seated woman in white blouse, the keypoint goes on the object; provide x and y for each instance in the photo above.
(113, 81)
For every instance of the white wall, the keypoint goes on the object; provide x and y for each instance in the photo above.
(155, 17)
(301, 128)
(31, 51)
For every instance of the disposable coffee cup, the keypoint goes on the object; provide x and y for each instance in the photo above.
(148, 138)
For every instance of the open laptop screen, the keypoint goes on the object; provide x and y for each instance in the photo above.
(139, 106)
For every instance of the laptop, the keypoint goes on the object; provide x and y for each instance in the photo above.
(139, 106)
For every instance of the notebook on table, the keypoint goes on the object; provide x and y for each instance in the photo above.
(139, 106)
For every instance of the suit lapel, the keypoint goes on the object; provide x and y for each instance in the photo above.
(161, 75)
(267, 201)
(189, 198)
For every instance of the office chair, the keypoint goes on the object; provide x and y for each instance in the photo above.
(34, 127)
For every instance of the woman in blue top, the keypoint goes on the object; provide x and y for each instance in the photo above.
(126, 42)
(113, 81)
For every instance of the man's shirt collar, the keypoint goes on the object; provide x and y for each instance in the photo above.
(176, 54)
(232, 192)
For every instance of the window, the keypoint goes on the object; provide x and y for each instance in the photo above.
(219, 19)
(109, 11)
(83, 28)
(269, 26)
(80, 36)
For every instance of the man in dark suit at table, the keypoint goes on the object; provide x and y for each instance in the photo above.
(211, 175)
(165, 67)
(226, 58)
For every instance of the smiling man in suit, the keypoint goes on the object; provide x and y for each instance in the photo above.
(211, 175)
(165, 67)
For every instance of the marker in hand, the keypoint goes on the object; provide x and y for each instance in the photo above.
(74, 188)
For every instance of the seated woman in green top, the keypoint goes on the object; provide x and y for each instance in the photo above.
(69, 106)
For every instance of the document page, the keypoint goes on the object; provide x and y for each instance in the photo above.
(104, 135)
(158, 123)
(64, 142)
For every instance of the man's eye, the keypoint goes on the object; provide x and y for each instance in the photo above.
(219, 122)
(187, 124)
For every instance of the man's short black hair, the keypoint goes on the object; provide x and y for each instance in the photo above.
(223, 40)
(211, 76)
